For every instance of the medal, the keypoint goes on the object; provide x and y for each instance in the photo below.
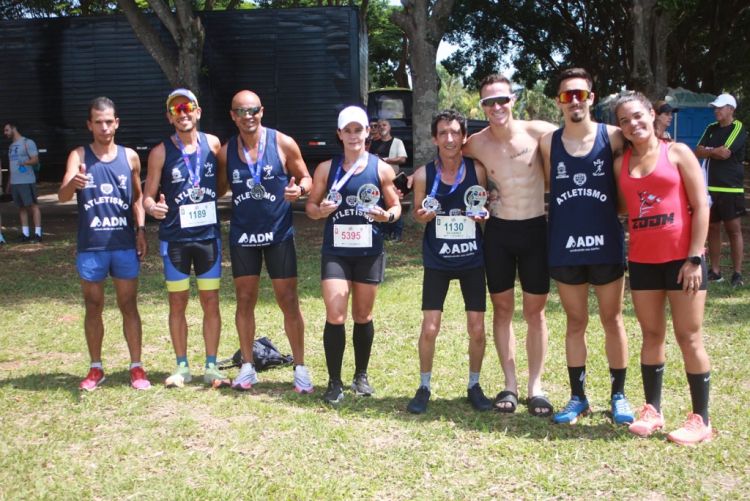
(334, 196)
(368, 196)
(257, 192)
(475, 198)
(430, 204)
(194, 174)
(196, 194)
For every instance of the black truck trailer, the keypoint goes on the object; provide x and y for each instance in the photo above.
(305, 64)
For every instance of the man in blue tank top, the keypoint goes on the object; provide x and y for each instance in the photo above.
(184, 168)
(261, 166)
(586, 244)
(106, 179)
(451, 249)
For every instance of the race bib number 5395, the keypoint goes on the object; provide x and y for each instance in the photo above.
(352, 235)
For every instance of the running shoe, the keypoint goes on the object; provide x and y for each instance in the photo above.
(649, 420)
(418, 404)
(335, 392)
(35, 239)
(737, 280)
(622, 413)
(94, 378)
(138, 379)
(302, 382)
(714, 277)
(246, 378)
(24, 239)
(477, 398)
(574, 408)
(215, 377)
(360, 386)
(179, 377)
(693, 432)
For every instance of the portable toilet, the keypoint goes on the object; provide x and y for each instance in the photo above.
(693, 116)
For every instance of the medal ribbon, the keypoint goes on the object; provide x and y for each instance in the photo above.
(337, 185)
(255, 167)
(195, 174)
(436, 182)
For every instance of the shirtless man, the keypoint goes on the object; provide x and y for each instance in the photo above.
(586, 244)
(515, 236)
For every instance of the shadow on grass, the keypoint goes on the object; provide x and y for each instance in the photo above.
(456, 410)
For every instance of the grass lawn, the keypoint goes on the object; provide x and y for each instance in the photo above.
(270, 443)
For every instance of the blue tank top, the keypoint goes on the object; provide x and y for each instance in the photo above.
(583, 224)
(105, 212)
(176, 186)
(444, 253)
(268, 221)
(347, 212)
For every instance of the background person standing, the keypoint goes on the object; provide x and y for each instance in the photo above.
(23, 156)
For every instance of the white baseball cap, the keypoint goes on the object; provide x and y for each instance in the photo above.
(353, 114)
(724, 100)
(181, 93)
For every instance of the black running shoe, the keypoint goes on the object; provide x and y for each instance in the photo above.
(714, 277)
(737, 280)
(418, 404)
(360, 386)
(335, 392)
(477, 398)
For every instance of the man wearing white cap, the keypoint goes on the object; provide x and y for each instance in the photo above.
(262, 165)
(723, 147)
(184, 168)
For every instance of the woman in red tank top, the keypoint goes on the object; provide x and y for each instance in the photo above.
(662, 187)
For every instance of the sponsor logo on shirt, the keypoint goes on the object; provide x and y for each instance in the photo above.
(458, 248)
(561, 171)
(256, 238)
(584, 243)
(177, 175)
(598, 165)
(108, 222)
(208, 169)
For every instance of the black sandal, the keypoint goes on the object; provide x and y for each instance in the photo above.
(506, 397)
(540, 406)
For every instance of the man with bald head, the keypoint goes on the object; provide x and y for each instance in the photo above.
(266, 173)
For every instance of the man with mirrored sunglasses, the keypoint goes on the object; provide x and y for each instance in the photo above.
(515, 236)
(262, 168)
(184, 168)
(586, 240)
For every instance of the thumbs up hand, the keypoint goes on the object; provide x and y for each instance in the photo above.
(80, 179)
(291, 191)
(159, 209)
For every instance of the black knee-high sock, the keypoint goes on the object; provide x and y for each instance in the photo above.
(363, 336)
(699, 389)
(653, 378)
(617, 378)
(334, 342)
(577, 376)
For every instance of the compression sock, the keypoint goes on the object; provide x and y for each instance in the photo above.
(577, 376)
(182, 360)
(362, 337)
(699, 389)
(210, 359)
(617, 379)
(653, 378)
(334, 342)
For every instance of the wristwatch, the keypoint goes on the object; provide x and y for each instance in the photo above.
(696, 260)
(302, 191)
(391, 217)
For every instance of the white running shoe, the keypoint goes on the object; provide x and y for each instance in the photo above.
(302, 382)
(246, 378)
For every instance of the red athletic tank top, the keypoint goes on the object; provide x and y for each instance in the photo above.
(659, 220)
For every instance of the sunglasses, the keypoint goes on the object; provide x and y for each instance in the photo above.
(493, 100)
(183, 108)
(567, 96)
(247, 112)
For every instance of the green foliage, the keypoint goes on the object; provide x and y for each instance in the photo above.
(454, 95)
(385, 43)
(533, 104)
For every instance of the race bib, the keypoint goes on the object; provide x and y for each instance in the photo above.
(197, 214)
(455, 228)
(352, 235)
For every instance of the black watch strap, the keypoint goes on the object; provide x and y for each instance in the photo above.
(696, 260)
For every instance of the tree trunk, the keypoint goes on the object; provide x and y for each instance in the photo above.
(424, 23)
(183, 68)
(641, 75)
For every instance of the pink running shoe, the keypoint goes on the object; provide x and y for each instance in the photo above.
(649, 420)
(94, 378)
(138, 379)
(693, 432)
